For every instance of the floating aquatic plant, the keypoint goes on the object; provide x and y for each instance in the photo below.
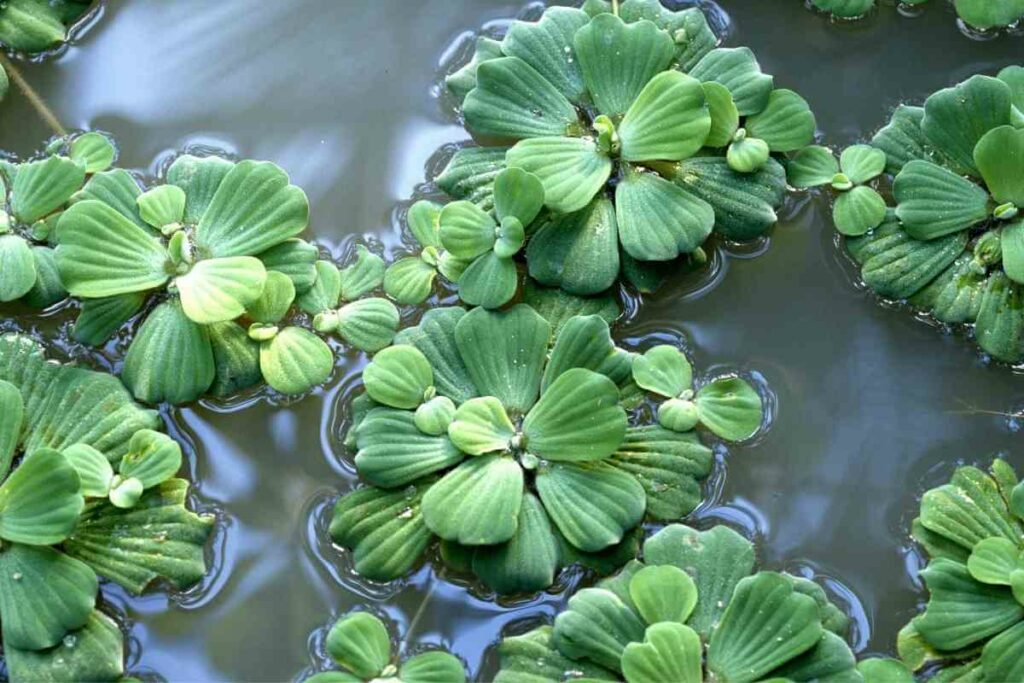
(954, 245)
(359, 643)
(513, 446)
(645, 137)
(694, 609)
(972, 531)
(859, 208)
(65, 517)
(35, 195)
(982, 15)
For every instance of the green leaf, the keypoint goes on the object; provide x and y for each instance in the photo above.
(42, 187)
(368, 324)
(409, 280)
(670, 652)
(968, 510)
(384, 530)
(504, 354)
(669, 120)
(717, 559)
(597, 626)
(532, 658)
(424, 220)
(481, 426)
(577, 252)
(592, 504)
(1012, 247)
(999, 328)
(846, 9)
(477, 503)
(12, 413)
(40, 501)
(362, 276)
(737, 69)
(470, 174)
(152, 458)
(254, 208)
(170, 359)
(586, 342)
(99, 319)
(432, 667)
(360, 643)
(663, 593)
(830, 659)
(393, 451)
(162, 206)
(747, 154)
(999, 157)
(117, 189)
(617, 60)
(546, 45)
(512, 101)
(932, 201)
(879, 670)
(48, 288)
(1003, 657)
(490, 281)
(295, 361)
(275, 301)
(434, 416)
(955, 295)
(902, 139)
(435, 339)
(94, 652)
(962, 611)
(744, 203)
(199, 178)
(725, 119)
(993, 560)
(985, 15)
(464, 80)
(17, 268)
(578, 418)
(528, 562)
(399, 376)
(786, 123)
(236, 358)
(765, 625)
(31, 26)
(730, 408)
(956, 118)
(861, 163)
(94, 470)
(812, 166)
(1013, 76)
(895, 265)
(466, 230)
(220, 289)
(517, 194)
(659, 220)
(572, 170)
(158, 539)
(43, 595)
(859, 211)
(94, 151)
(101, 253)
(295, 258)
(663, 370)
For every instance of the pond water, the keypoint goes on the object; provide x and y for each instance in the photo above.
(873, 406)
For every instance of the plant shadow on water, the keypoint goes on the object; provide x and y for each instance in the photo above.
(872, 407)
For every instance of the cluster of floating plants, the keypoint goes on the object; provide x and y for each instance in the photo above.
(953, 245)
(980, 15)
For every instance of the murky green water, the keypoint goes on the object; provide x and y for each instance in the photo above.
(872, 405)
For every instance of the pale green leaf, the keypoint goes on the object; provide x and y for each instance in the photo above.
(295, 258)
(737, 69)
(325, 293)
(275, 301)
(786, 123)
(94, 470)
(478, 502)
(663, 593)
(40, 501)
(812, 166)
(434, 666)
(94, 652)
(466, 230)
(42, 187)
(725, 119)
(528, 561)
(17, 268)
(512, 101)
(362, 276)
(597, 626)
(295, 361)
(547, 44)
(399, 376)
(409, 280)
(861, 163)
(393, 451)
(578, 418)
(730, 407)
(517, 194)
(94, 151)
(858, 211)
(999, 157)
(956, 118)
(659, 220)
(993, 560)
(669, 120)
(577, 252)
(670, 653)
(220, 289)
(162, 206)
(481, 426)
(663, 370)
(360, 643)
(932, 201)
(572, 170)
(533, 658)
(368, 324)
(435, 339)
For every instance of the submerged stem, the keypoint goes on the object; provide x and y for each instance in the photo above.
(37, 102)
(414, 622)
(615, 7)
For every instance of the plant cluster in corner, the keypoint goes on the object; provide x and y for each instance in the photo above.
(980, 15)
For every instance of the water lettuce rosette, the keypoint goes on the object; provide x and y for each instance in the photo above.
(360, 645)
(645, 137)
(972, 531)
(982, 15)
(88, 490)
(694, 609)
(953, 247)
(512, 446)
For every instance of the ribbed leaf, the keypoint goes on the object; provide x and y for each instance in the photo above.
(102, 253)
(592, 504)
(830, 659)
(812, 166)
(897, 265)
(481, 426)
(547, 44)
(275, 301)
(999, 157)
(360, 643)
(100, 319)
(968, 510)
(490, 281)
(119, 190)
(94, 470)
(659, 220)
(663, 370)
(477, 503)
(956, 118)
(220, 289)
(31, 26)
(993, 560)
(532, 658)
(955, 295)
(464, 80)
(295, 258)
(394, 452)
(578, 418)
(737, 69)
(1012, 244)
(985, 15)
(511, 100)
(368, 324)
(94, 652)
(42, 187)
(158, 539)
(435, 339)
(847, 9)
(40, 501)
(409, 280)
(1003, 656)
(1013, 76)
(669, 120)
(362, 276)
(17, 268)
(470, 174)
(597, 626)
(725, 120)
(236, 358)
(859, 211)
(663, 593)
(48, 288)
(517, 194)
(747, 154)
(432, 667)
(902, 139)
(399, 376)
(504, 354)
(932, 201)
(861, 163)
(466, 230)
(383, 529)
(170, 359)
(152, 458)
(12, 413)
(670, 652)
(325, 292)
(199, 178)
(578, 252)
(584, 341)
(999, 327)
(162, 206)
(572, 170)
(526, 563)
(786, 123)
(254, 208)
(295, 361)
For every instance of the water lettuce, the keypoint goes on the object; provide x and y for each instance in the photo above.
(982, 15)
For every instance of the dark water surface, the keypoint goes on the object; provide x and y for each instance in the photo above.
(873, 406)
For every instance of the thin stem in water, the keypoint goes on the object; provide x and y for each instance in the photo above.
(37, 102)
(414, 622)
(615, 7)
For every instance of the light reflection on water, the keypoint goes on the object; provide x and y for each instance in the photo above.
(345, 95)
